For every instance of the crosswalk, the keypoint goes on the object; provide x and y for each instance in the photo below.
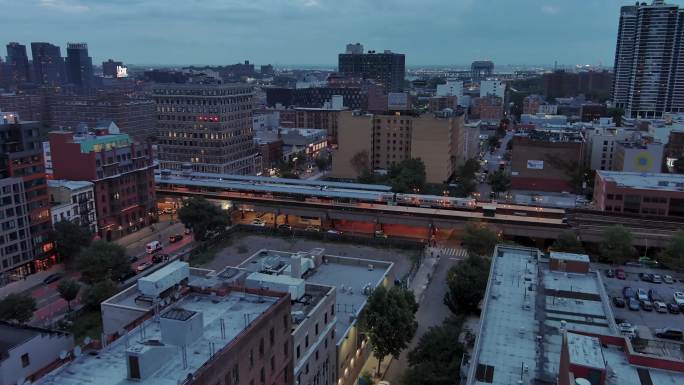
(446, 252)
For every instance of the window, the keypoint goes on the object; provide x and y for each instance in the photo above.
(325, 318)
(271, 336)
(306, 341)
(285, 322)
(261, 348)
(251, 358)
(273, 363)
(298, 352)
(25, 360)
(286, 349)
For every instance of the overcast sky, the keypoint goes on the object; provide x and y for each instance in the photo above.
(315, 31)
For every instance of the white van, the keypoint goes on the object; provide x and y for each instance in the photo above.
(153, 247)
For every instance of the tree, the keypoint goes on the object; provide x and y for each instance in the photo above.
(68, 289)
(408, 175)
(70, 238)
(468, 169)
(202, 217)
(17, 307)
(567, 242)
(94, 295)
(479, 240)
(673, 254)
(499, 181)
(493, 142)
(289, 175)
(464, 188)
(360, 162)
(322, 162)
(437, 357)
(616, 114)
(102, 260)
(466, 284)
(389, 321)
(617, 244)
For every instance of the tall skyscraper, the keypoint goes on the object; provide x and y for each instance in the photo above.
(79, 66)
(48, 64)
(481, 70)
(649, 62)
(387, 68)
(18, 62)
(205, 127)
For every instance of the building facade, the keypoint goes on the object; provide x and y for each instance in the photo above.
(639, 156)
(121, 170)
(74, 199)
(639, 193)
(17, 63)
(79, 66)
(206, 127)
(16, 253)
(48, 64)
(387, 68)
(481, 70)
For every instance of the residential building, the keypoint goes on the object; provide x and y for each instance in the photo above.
(16, 253)
(74, 199)
(110, 68)
(439, 103)
(27, 351)
(639, 193)
(387, 68)
(353, 97)
(356, 49)
(451, 88)
(638, 155)
(79, 66)
(439, 140)
(481, 70)
(206, 127)
(601, 145)
(271, 152)
(493, 87)
(675, 145)
(531, 104)
(265, 119)
(326, 118)
(569, 314)
(547, 160)
(30, 107)
(648, 66)
(48, 64)
(190, 326)
(590, 112)
(488, 109)
(21, 156)
(135, 117)
(540, 120)
(18, 63)
(121, 170)
(564, 84)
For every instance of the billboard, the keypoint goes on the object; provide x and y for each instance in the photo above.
(397, 101)
(535, 164)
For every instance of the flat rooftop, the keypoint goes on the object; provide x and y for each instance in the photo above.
(109, 366)
(645, 181)
(570, 256)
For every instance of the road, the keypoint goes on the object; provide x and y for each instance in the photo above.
(492, 164)
(431, 312)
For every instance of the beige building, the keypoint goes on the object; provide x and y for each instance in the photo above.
(320, 118)
(440, 140)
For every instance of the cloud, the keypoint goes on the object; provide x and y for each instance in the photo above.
(550, 9)
(63, 6)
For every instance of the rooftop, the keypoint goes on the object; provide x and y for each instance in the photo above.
(69, 184)
(570, 256)
(12, 336)
(235, 312)
(585, 351)
(646, 181)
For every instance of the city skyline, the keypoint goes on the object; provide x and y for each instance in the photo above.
(214, 32)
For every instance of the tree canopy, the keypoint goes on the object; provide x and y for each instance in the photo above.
(94, 295)
(499, 181)
(467, 283)
(616, 245)
(673, 254)
(567, 242)
(102, 260)
(408, 176)
(68, 289)
(479, 240)
(202, 216)
(437, 357)
(17, 307)
(70, 238)
(389, 320)
(360, 162)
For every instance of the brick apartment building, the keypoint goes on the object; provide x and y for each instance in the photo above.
(639, 193)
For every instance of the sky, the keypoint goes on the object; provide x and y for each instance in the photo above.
(289, 32)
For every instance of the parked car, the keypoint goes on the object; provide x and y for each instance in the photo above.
(673, 308)
(678, 297)
(646, 305)
(143, 266)
(641, 295)
(610, 273)
(380, 234)
(619, 302)
(285, 227)
(669, 333)
(153, 247)
(312, 228)
(133, 258)
(646, 277)
(620, 274)
(258, 222)
(335, 232)
(52, 278)
(628, 292)
(627, 329)
(175, 238)
(660, 306)
(654, 295)
(668, 279)
(157, 258)
(633, 304)
(656, 278)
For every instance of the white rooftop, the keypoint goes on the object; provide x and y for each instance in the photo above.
(69, 184)
(646, 181)
(585, 351)
(569, 256)
(109, 366)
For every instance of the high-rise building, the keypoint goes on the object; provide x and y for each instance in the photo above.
(21, 159)
(205, 127)
(481, 70)
(48, 64)
(79, 66)
(354, 48)
(649, 70)
(387, 68)
(112, 68)
(121, 170)
(18, 63)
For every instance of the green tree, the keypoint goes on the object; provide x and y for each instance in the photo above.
(360, 163)
(468, 169)
(567, 242)
(464, 188)
(289, 175)
(673, 254)
(70, 238)
(68, 289)
(493, 142)
(466, 284)
(616, 114)
(94, 295)
(616, 245)
(322, 161)
(17, 307)
(202, 217)
(437, 357)
(389, 321)
(408, 176)
(102, 260)
(479, 240)
(499, 181)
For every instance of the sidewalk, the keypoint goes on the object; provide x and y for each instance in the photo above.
(30, 282)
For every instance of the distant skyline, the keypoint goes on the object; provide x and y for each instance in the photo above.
(291, 32)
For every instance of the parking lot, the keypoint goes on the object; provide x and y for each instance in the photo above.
(645, 321)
